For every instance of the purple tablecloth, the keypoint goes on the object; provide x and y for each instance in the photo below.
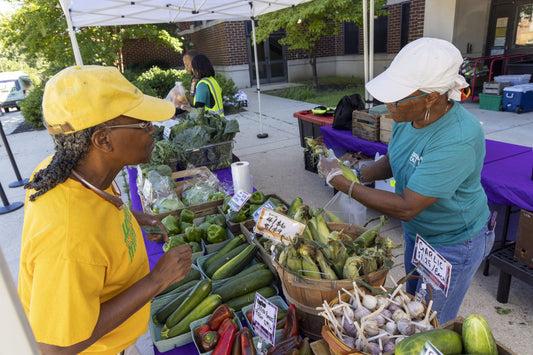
(508, 181)
(335, 138)
(499, 150)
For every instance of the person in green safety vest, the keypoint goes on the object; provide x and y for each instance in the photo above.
(208, 93)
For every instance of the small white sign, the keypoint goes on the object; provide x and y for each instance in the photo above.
(432, 265)
(268, 204)
(278, 227)
(166, 133)
(238, 200)
(147, 190)
(429, 349)
(264, 318)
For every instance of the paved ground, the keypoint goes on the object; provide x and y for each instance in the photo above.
(277, 167)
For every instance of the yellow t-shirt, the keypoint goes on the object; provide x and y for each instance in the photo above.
(78, 251)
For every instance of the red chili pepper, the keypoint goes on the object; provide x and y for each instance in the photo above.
(236, 348)
(291, 325)
(222, 312)
(225, 343)
(249, 315)
(210, 340)
(199, 333)
(247, 344)
(225, 324)
(285, 346)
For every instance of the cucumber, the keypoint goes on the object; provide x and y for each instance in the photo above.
(446, 341)
(179, 290)
(238, 302)
(203, 309)
(224, 259)
(235, 287)
(194, 274)
(232, 244)
(195, 296)
(477, 336)
(236, 264)
(169, 308)
(252, 268)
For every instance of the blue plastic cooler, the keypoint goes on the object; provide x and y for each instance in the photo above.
(518, 98)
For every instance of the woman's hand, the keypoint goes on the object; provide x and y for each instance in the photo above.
(328, 168)
(148, 220)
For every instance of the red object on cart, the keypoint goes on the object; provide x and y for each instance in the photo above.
(309, 124)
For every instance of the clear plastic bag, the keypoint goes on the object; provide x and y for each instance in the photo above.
(347, 209)
(177, 95)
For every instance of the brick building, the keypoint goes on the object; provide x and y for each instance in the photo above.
(470, 25)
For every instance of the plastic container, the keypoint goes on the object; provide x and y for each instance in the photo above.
(490, 102)
(203, 321)
(518, 98)
(278, 301)
(513, 79)
(213, 156)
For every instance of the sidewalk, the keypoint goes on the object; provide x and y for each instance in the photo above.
(277, 167)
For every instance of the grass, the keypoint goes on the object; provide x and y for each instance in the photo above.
(330, 90)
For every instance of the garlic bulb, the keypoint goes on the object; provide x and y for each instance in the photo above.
(372, 349)
(370, 302)
(416, 309)
(386, 314)
(349, 341)
(388, 346)
(370, 327)
(405, 327)
(379, 320)
(359, 313)
(382, 300)
(393, 307)
(391, 327)
(399, 314)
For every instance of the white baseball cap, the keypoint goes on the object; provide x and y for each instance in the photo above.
(427, 64)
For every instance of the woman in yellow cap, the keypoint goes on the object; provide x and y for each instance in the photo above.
(84, 278)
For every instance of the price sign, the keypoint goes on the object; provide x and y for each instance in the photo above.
(278, 227)
(166, 133)
(432, 265)
(268, 204)
(429, 349)
(238, 200)
(264, 318)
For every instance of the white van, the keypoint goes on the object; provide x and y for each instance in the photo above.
(14, 87)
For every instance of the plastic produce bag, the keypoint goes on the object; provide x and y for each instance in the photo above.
(177, 95)
(347, 209)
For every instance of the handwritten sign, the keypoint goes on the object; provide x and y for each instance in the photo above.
(432, 265)
(238, 200)
(166, 133)
(429, 349)
(264, 318)
(278, 227)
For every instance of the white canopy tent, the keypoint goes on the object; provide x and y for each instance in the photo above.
(83, 13)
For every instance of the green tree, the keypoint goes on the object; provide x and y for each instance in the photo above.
(306, 23)
(38, 29)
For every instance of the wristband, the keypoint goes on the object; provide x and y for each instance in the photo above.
(359, 175)
(331, 175)
(350, 189)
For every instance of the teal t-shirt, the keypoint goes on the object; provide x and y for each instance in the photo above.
(442, 160)
(203, 95)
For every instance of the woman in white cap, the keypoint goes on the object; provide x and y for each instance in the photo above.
(436, 155)
(84, 278)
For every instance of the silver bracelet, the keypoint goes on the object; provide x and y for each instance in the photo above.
(351, 188)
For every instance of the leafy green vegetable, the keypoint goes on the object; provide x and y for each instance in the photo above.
(167, 204)
(197, 194)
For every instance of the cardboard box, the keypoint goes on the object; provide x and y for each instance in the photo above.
(524, 238)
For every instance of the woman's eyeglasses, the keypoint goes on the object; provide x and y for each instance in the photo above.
(144, 125)
(395, 103)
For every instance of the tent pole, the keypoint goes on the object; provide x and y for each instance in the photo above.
(75, 47)
(257, 79)
(371, 48)
(365, 48)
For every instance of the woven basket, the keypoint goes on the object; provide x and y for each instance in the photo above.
(336, 346)
(312, 292)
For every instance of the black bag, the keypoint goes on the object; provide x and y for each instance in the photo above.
(343, 111)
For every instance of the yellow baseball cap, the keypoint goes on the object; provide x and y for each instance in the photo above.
(80, 97)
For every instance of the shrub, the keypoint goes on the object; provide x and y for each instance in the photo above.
(31, 106)
(228, 88)
(161, 81)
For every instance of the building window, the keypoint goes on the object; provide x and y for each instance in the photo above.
(404, 29)
(351, 38)
(524, 26)
(381, 30)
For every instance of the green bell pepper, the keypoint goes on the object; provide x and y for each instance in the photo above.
(216, 219)
(186, 215)
(184, 225)
(174, 241)
(171, 223)
(193, 234)
(195, 247)
(253, 208)
(203, 227)
(257, 198)
(238, 216)
(225, 204)
(216, 196)
(216, 234)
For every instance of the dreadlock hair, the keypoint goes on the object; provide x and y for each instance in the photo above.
(70, 149)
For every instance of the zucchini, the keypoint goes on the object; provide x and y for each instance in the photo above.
(236, 264)
(235, 287)
(194, 274)
(179, 290)
(238, 302)
(477, 336)
(161, 316)
(203, 309)
(232, 244)
(251, 268)
(224, 259)
(446, 341)
(195, 296)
